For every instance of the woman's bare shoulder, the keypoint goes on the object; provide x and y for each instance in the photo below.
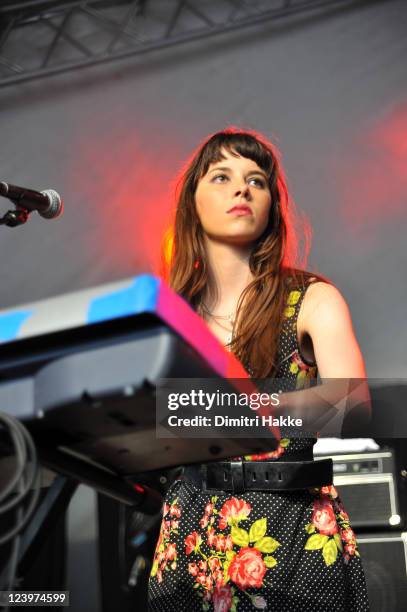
(324, 303)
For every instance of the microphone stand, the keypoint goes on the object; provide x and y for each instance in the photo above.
(14, 218)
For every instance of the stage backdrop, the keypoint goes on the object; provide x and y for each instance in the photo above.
(331, 92)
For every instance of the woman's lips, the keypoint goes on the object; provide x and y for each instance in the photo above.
(240, 210)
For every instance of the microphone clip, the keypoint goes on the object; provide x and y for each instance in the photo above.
(14, 218)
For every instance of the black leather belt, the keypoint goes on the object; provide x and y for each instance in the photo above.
(245, 476)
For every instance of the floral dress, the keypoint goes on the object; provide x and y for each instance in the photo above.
(285, 551)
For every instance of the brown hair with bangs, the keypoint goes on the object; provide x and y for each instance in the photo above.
(272, 262)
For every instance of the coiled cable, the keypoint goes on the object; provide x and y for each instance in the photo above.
(22, 491)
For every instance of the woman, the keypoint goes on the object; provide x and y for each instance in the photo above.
(281, 550)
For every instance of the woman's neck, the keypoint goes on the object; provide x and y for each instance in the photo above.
(229, 274)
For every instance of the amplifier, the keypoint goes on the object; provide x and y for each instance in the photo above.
(366, 483)
(384, 559)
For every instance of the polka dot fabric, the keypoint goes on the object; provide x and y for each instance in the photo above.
(277, 551)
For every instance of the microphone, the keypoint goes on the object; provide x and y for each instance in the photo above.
(47, 203)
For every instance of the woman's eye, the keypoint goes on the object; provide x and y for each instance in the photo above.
(257, 181)
(220, 178)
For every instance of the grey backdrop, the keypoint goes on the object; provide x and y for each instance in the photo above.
(330, 91)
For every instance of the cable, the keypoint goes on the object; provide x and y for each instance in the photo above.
(24, 481)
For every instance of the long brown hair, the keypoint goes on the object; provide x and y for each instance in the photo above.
(272, 261)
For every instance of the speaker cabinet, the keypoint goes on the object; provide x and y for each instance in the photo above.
(367, 484)
(384, 558)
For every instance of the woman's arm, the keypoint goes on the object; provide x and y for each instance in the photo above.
(325, 318)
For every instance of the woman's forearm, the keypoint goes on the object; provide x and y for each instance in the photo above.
(332, 404)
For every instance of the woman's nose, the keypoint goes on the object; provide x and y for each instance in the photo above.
(242, 189)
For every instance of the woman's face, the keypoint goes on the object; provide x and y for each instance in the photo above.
(233, 200)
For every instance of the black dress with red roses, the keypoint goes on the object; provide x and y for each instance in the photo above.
(277, 551)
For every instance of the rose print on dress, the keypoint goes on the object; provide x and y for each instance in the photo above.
(165, 557)
(329, 528)
(222, 598)
(276, 454)
(226, 565)
(323, 517)
(304, 373)
(346, 532)
(233, 511)
(247, 568)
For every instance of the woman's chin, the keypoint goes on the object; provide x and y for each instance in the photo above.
(243, 239)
